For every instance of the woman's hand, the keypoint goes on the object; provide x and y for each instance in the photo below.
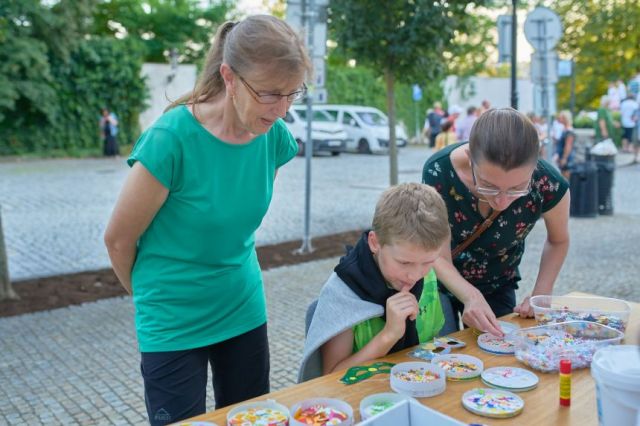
(400, 306)
(524, 309)
(478, 314)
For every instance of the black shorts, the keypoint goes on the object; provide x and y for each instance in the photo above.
(627, 133)
(175, 383)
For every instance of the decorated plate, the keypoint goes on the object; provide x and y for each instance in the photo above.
(459, 367)
(492, 402)
(495, 345)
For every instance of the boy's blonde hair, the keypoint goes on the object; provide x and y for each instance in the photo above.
(411, 212)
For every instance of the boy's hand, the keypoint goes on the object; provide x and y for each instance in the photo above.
(400, 306)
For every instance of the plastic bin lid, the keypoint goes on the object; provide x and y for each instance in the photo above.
(618, 365)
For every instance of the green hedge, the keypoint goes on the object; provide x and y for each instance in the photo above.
(63, 116)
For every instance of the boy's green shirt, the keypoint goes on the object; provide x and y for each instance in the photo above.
(429, 321)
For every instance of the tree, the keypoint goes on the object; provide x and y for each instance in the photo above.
(6, 291)
(162, 25)
(603, 39)
(405, 42)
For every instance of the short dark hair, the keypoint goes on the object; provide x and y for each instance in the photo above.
(504, 137)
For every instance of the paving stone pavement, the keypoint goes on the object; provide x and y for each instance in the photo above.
(80, 365)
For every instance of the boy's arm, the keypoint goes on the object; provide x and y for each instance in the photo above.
(337, 353)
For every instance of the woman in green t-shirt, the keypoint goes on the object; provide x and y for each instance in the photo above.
(181, 237)
(498, 170)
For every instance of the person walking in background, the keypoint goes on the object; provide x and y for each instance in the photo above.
(627, 108)
(465, 124)
(108, 132)
(604, 122)
(566, 144)
(496, 180)
(446, 137)
(484, 107)
(182, 234)
(433, 123)
(613, 94)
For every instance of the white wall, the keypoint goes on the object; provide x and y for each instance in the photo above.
(496, 90)
(162, 91)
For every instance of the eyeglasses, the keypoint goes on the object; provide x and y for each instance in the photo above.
(273, 98)
(492, 192)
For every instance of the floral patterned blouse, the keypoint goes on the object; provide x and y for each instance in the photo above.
(491, 261)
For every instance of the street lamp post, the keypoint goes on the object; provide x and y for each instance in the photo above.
(514, 63)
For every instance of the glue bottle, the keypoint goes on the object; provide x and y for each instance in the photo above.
(565, 382)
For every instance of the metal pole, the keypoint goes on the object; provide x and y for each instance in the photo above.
(308, 13)
(572, 104)
(514, 59)
(418, 141)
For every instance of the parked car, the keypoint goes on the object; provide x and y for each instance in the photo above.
(327, 135)
(367, 127)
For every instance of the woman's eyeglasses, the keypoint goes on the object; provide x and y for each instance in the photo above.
(493, 192)
(274, 98)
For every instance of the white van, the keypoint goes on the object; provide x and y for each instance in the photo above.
(367, 127)
(327, 135)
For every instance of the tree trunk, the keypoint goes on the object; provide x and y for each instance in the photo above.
(391, 112)
(6, 291)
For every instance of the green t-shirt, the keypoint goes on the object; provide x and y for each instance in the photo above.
(196, 279)
(429, 321)
(604, 114)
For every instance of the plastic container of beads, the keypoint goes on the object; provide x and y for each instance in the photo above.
(543, 347)
(418, 379)
(321, 412)
(379, 402)
(607, 311)
(261, 413)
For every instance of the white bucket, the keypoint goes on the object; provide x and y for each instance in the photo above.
(616, 371)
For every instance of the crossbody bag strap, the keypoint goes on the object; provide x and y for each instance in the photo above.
(483, 227)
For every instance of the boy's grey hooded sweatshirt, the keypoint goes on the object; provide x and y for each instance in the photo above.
(338, 309)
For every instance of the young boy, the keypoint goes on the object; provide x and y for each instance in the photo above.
(382, 297)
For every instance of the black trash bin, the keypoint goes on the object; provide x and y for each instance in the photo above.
(606, 169)
(583, 184)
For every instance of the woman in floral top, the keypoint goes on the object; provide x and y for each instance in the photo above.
(498, 169)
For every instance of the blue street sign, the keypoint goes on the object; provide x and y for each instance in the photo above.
(417, 93)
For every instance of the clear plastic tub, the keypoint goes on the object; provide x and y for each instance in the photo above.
(261, 412)
(543, 347)
(603, 310)
(328, 408)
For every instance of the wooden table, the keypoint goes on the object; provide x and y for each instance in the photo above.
(541, 404)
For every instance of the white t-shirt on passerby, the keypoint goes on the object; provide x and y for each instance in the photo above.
(614, 97)
(627, 108)
(622, 91)
(557, 128)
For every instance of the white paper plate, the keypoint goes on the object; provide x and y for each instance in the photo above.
(489, 402)
(510, 378)
(495, 345)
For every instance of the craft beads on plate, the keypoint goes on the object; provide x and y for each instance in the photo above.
(321, 412)
(459, 366)
(496, 345)
(262, 413)
(418, 379)
(492, 402)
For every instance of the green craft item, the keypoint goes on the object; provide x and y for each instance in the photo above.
(359, 373)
